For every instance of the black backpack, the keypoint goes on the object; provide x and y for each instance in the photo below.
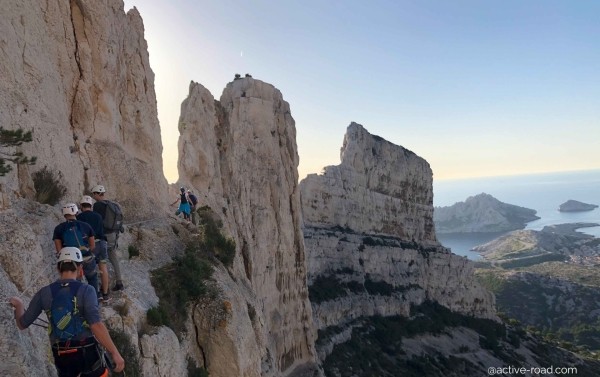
(111, 214)
(193, 199)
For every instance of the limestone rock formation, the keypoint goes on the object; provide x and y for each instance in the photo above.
(370, 241)
(481, 213)
(240, 152)
(378, 188)
(77, 74)
(576, 206)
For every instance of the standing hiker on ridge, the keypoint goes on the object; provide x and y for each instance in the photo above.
(74, 233)
(100, 251)
(193, 204)
(74, 323)
(112, 217)
(184, 203)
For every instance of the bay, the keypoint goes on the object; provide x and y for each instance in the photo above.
(541, 192)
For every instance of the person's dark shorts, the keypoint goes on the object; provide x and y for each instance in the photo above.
(86, 360)
(101, 251)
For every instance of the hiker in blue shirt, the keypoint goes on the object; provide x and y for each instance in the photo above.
(94, 219)
(74, 233)
(75, 335)
(184, 204)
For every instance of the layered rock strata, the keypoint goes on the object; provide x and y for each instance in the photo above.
(77, 73)
(240, 153)
(370, 240)
(378, 188)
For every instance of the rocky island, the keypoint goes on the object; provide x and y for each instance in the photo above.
(576, 206)
(481, 213)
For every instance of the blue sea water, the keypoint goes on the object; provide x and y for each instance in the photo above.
(542, 192)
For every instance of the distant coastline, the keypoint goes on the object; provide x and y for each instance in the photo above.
(543, 192)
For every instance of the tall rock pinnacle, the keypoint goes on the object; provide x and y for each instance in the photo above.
(241, 154)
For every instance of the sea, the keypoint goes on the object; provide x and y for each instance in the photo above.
(541, 192)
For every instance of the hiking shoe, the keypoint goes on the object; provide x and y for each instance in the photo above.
(105, 298)
(118, 287)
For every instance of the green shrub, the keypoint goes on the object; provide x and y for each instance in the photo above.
(48, 186)
(213, 241)
(133, 251)
(378, 287)
(158, 316)
(194, 370)
(128, 351)
(179, 283)
(325, 288)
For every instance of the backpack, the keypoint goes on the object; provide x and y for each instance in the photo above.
(112, 216)
(193, 199)
(65, 320)
(73, 235)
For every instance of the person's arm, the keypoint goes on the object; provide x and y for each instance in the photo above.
(178, 199)
(57, 239)
(92, 242)
(58, 245)
(19, 311)
(101, 333)
(24, 318)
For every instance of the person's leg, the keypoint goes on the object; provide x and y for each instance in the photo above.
(186, 211)
(102, 260)
(90, 270)
(94, 364)
(114, 260)
(194, 215)
(68, 364)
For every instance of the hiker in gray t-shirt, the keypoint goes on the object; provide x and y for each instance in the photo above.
(75, 352)
(112, 238)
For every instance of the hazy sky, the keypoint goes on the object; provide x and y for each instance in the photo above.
(477, 88)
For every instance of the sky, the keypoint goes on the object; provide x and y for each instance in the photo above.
(477, 88)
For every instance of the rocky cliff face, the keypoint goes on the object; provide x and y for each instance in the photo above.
(240, 153)
(378, 188)
(481, 213)
(370, 241)
(77, 74)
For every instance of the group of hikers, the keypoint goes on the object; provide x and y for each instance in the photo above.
(83, 242)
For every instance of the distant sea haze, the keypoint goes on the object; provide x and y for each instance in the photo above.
(542, 192)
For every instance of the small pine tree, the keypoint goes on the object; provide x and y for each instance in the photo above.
(9, 138)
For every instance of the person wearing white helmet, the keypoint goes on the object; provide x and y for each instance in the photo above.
(112, 236)
(75, 325)
(100, 251)
(74, 233)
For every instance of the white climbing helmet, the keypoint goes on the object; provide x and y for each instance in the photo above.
(98, 188)
(70, 254)
(86, 199)
(69, 209)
